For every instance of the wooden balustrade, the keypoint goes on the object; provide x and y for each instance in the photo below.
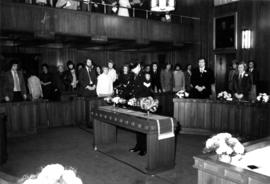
(207, 117)
(26, 118)
(46, 21)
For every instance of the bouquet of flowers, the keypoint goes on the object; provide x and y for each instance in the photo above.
(224, 95)
(133, 102)
(115, 100)
(146, 103)
(263, 97)
(223, 144)
(182, 94)
(149, 104)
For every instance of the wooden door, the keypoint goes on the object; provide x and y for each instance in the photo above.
(222, 68)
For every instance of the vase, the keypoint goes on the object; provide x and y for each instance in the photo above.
(224, 158)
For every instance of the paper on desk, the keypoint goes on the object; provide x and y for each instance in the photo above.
(259, 158)
(167, 134)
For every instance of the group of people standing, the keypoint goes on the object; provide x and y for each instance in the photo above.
(89, 80)
(119, 7)
(125, 8)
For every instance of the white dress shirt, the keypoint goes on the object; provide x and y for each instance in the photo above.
(104, 85)
(112, 74)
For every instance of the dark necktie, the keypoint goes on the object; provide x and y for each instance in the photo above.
(240, 79)
(89, 76)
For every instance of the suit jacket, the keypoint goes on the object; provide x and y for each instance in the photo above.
(155, 78)
(9, 84)
(137, 89)
(68, 80)
(166, 80)
(206, 79)
(84, 81)
(242, 85)
(254, 76)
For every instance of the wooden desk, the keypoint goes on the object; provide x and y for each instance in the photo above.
(212, 171)
(208, 117)
(160, 152)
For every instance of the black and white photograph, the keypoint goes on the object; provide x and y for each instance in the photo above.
(134, 91)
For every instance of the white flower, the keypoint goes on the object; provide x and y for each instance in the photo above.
(232, 141)
(229, 99)
(265, 98)
(223, 136)
(69, 176)
(30, 181)
(116, 99)
(51, 173)
(239, 148)
(209, 143)
(224, 149)
(182, 94)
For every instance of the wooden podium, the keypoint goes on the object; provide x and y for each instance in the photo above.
(159, 131)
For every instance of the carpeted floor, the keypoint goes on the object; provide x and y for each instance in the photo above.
(72, 147)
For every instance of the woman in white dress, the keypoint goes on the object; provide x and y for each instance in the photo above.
(123, 8)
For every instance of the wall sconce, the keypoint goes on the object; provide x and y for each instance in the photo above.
(162, 5)
(246, 39)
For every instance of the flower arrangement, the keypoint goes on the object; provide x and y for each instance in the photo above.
(145, 103)
(224, 95)
(115, 100)
(223, 144)
(133, 102)
(54, 173)
(263, 97)
(149, 104)
(182, 94)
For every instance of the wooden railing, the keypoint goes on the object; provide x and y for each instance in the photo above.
(27, 117)
(133, 10)
(47, 22)
(250, 120)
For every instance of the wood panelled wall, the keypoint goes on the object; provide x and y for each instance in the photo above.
(253, 15)
(53, 56)
(203, 29)
(188, 54)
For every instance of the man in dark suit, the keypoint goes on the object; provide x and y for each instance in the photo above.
(254, 74)
(88, 80)
(14, 85)
(138, 91)
(202, 80)
(241, 83)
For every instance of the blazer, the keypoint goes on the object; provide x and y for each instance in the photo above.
(242, 85)
(155, 78)
(9, 84)
(254, 76)
(68, 80)
(166, 80)
(84, 81)
(206, 79)
(137, 89)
